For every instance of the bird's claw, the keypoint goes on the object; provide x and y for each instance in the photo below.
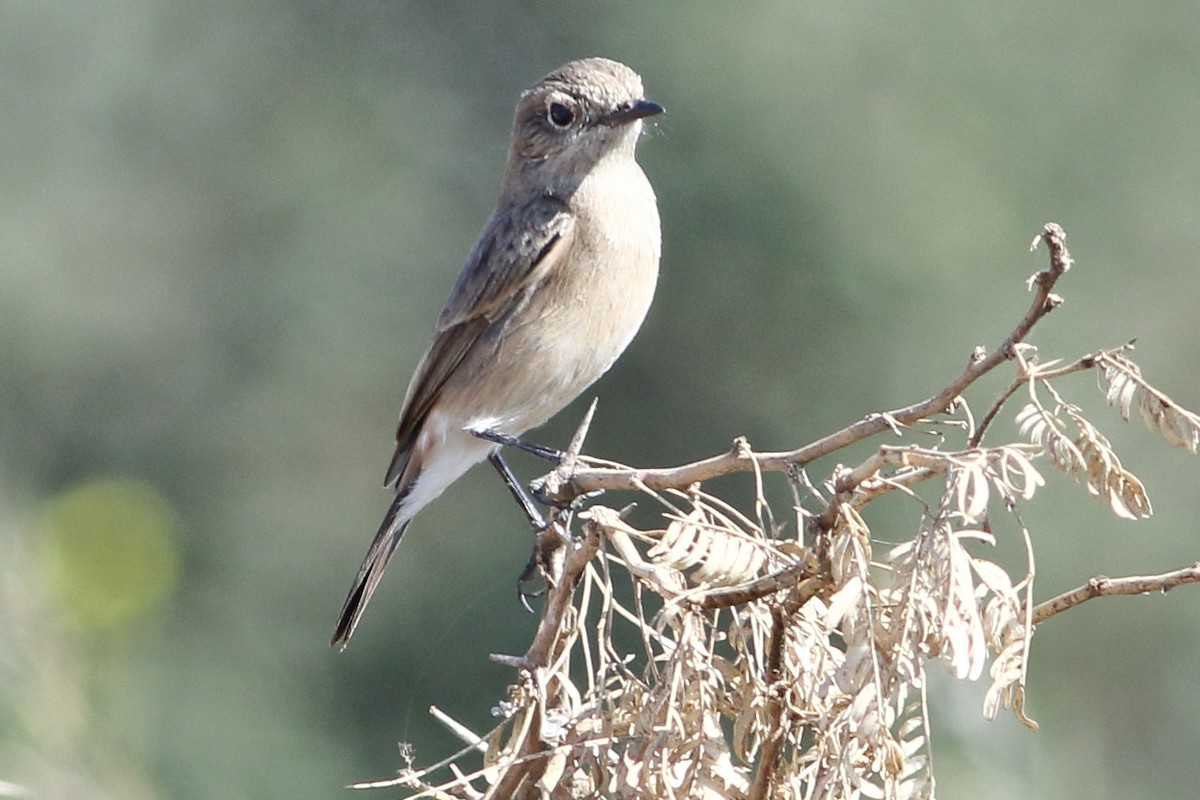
(525, 578)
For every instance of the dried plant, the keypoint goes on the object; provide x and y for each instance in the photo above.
(770, 665)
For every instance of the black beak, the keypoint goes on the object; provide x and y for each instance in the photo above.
(636, 110)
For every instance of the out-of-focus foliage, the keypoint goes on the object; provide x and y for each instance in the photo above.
(228, 227)
(109, 552)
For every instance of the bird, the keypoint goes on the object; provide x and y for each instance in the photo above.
(554, 290)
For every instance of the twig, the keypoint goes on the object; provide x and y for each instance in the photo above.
(549, 487)
(758, 589)
(464, 734)
(411, 777)
(1102, 586)
(567, 465)
(1081, 364)
(977, 437)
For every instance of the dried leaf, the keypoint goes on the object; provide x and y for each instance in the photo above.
(1180, 427)
(1016, 473)
(968, 485)
(680, 547)
(1126, 495)
(552, 771)
(993, 576)
(843, 600)
(1045, 430)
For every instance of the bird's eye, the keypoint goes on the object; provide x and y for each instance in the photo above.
(560, 115)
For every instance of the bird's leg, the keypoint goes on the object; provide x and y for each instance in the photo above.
(536, 520)
(542, 452)
(548, 538)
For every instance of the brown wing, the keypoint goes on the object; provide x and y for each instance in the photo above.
(515, 252)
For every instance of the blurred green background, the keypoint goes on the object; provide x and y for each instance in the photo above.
(226, 229)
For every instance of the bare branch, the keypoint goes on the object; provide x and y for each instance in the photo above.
(740, 459)
(1102, 586)
(769, 755)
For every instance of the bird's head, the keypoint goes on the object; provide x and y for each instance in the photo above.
(577, 116)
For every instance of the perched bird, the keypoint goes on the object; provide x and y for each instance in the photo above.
(554, 290)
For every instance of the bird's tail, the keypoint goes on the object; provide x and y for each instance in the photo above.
(382, 547)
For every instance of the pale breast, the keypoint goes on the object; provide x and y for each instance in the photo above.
(588, 310)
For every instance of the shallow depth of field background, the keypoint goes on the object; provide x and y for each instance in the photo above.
(226, 229)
